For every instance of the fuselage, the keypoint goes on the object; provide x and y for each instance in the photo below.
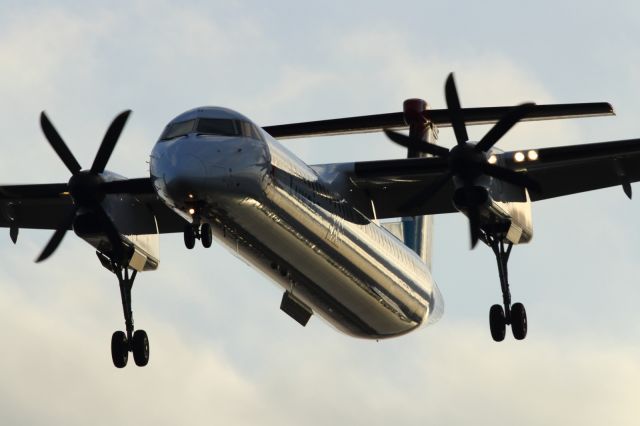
(270, 208)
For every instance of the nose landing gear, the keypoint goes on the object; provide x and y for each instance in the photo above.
(201, 232)
(500, 316)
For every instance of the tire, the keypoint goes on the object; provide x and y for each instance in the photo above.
(206, 236)
(119, 349)
(189, 237)
(140, 348)
(518, 321)
(498, 323)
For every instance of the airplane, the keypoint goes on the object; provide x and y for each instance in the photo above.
(350, 242)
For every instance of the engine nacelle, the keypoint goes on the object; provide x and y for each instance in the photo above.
(509, 220)
(136, 225)
(465, 197)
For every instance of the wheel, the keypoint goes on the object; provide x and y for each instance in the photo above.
(140, 348)
(518, 321)
(498, 323)
(119, 349)
(205, 235)
(189, 237)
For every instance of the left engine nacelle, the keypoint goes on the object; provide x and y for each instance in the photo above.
(136, 225)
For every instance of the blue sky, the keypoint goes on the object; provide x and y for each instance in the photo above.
(221, 350)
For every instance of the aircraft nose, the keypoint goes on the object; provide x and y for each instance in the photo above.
(187, 166)
(177, 172)
(209, 170)
(185, 175)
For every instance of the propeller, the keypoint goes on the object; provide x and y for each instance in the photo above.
(86, 187)
(468, 161)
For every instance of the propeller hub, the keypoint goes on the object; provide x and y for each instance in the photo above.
(85, 188)
(465, 161)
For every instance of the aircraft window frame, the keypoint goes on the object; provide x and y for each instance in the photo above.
(234, 130)
(179, 129)
(241, 128)
(250, 130)
(257, 132)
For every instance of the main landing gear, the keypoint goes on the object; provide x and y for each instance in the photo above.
(499, 316)
(201, 232)
(136, 342)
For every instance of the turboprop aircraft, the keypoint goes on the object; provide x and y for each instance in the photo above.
(316, 230)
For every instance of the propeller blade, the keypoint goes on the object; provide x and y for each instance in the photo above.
(453, 104)
(474, 225)
(503, 126)
(429, 191)
(57, 237)
(58, 144)
(419, 145)
(510, 176)
(109, 142)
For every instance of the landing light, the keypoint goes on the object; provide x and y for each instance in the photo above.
(492, 159)
(192, 211)
(519, 157)
(190, 196)
(532, 155)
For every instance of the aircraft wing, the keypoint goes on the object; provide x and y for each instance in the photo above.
(559, 171)
(45, 206)
(439, 117)
(390, 184)
(572, 169)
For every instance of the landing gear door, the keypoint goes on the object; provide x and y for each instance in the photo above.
(139, 227)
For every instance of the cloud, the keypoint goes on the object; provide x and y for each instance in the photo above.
(373, 70)
(56, 370)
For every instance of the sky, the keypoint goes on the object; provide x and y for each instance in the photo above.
(221, 350)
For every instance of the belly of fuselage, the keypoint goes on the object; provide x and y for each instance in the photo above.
(345, 278)
(355, 275)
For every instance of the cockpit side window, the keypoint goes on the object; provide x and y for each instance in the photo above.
(176, 130)
(250, 131)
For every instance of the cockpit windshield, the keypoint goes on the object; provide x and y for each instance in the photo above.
(212, 126)
(218, 126)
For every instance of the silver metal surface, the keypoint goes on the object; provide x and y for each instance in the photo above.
(276, 212)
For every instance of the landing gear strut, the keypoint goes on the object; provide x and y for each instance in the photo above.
(508, 314)
(195, 231)
(124, 342)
